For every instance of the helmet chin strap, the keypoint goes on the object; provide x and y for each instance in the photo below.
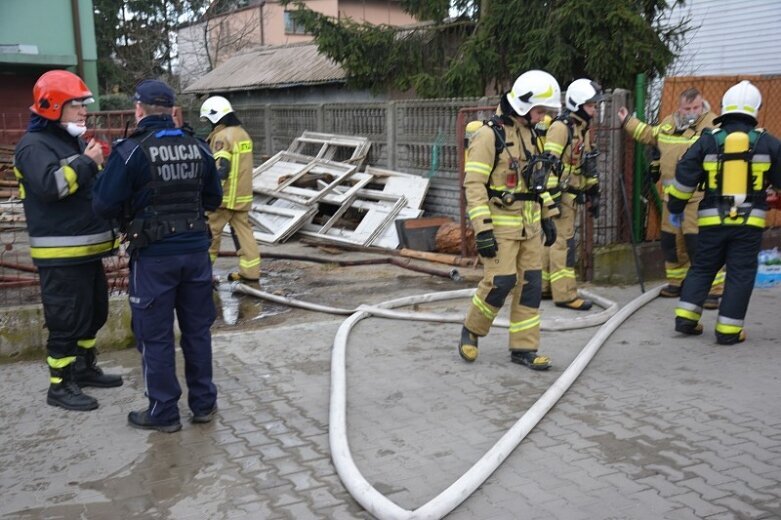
(74, 129)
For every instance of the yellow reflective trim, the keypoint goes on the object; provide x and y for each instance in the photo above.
(519, 326)
(483, 308)
(60, 362)
(720, 277)
(213, 256)
(553, 147)
(478, 167)
(222, 154)
(44, 253)
(71, 178)
(689, 315)
(709, 221)
(674, 139)
(639, 130)
(756, 222)
(249, 263)
(19, 176)
(676, 274)
(728, 329)
(479, 211)
(507, 220)
(86, 343)
(567, 272)
(678, 194)
(244, 198)
(546, 276)
(245, 146)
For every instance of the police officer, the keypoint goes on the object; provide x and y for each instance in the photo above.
(573, 180)
(56, 170)
(673, 136)
(232, 148)
(504, 191)
(162, 180)
(735, 163)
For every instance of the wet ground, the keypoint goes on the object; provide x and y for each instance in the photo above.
(658, 426)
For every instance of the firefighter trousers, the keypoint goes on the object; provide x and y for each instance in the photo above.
(75, 307)
(160, 286)
(247, 247)
(679, 246)
(514, 272)
(735, 247)
(558, 260)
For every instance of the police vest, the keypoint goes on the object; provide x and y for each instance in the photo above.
(176, 164)
(734, 175)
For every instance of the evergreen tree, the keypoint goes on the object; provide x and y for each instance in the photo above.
(489, 43)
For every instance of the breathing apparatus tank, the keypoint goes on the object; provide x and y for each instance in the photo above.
(735, 174)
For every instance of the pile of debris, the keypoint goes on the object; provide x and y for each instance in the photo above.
(317, 189)
(11, 210)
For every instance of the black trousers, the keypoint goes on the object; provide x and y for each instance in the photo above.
(736, 247)
(75, 304)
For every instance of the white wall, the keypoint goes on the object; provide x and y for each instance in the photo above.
(730, 37)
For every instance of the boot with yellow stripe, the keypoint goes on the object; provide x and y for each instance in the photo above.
(686, 326)
(467, 347)
(531, 359)
(63, 390)
(730, 339)
(578, 304)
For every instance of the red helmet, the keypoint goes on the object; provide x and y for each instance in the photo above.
(55, 88)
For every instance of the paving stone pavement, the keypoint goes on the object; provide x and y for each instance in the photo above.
(658, 426)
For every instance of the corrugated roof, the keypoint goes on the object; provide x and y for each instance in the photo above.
(269, 68)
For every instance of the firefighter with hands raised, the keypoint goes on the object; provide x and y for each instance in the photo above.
(672, 137)
(509, 207)
(573, 182)
(733, 164)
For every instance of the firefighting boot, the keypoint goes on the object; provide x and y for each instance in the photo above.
(86, 371)
(467, 347)
(65, 393)
(531, 359)
(730, 339)
(578, 304)
(686, 326)
(670, 291)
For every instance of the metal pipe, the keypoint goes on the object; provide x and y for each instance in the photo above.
(635, 226)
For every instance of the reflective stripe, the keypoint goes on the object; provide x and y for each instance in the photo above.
(567, 272)
(546, 198)
(721, 276)
(507, 220)
(745, 108)
(76, 240)
(67, 181)
(19, 177)
(249, 263)
(519, 326)
(673, 191)
(682, 187)
(73, 252)
(245, 146)
(478, 167)
(711, 217)
(554, 147)
(690, 307)
(639, 130)
(60, 362)
(674, 139)
(483, 308)
(546, 276)
(676, 274)
(86, 343)
(689, 315)
(726, 325)
(479, 211)
(222, 154)
(213, 256)
(502, 187)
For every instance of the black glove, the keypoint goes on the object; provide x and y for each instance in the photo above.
(592, 194)
(486, 243)
(549, 230)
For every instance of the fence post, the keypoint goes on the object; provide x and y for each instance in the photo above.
(321, 117)
(390, 123)
(267, 129)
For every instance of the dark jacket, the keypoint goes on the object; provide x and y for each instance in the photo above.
(122, 191)
(690, 172)
(56, 181)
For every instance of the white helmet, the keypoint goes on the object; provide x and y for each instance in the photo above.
(534, 88)
(215, 108)
(743, 98)
(582, 91)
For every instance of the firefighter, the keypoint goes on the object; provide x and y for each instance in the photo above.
(232, 149)
(735, 163)
(164, 179)
(574, 180)
(504, 190)
(56, 170)
(673, 136)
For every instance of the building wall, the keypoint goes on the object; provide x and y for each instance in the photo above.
(48, 26)
(375, 11)
(735, 37)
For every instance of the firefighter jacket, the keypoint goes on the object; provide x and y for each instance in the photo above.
(672, 144)
(700, 167)
(569, 140)
(232, 148)
(492, 169)
(158, 182)
(55, 183)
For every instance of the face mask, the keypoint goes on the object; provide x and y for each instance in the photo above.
(75, 129)
(684, 122)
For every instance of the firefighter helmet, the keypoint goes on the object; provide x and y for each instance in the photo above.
(215, 108)
(743, 98)
(582, 91)
(534, 88)
(55, 88)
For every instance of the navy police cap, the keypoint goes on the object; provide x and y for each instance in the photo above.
(154, 92)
